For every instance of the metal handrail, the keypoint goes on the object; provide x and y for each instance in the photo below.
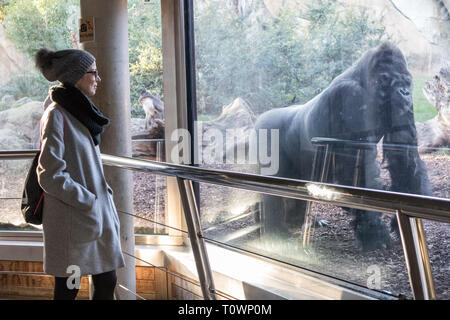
(360, 144)
(406, 207)
(417, 206)
(17, 154)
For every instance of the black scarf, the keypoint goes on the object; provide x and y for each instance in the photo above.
(81, 107)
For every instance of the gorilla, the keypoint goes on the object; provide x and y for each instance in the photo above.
(369, 102)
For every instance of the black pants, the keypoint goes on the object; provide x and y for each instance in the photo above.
(104, 284)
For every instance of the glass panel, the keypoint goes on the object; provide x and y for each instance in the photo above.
(438, 241)
(327, 243)
(12, 179)
(342, 71)
(149, 203)
(26, 26)
(147, 112)
(345, 92)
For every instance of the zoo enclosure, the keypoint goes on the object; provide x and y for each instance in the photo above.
(409, 209)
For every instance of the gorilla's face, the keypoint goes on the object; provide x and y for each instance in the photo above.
(390, 85)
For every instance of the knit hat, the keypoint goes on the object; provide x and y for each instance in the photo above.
(67, 66)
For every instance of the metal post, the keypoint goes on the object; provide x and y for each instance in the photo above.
(410, 255)
(328, 153)
(158, 192)
(420, 243)
(416, 256)
(91, 288)
(307, 222)
(195, 236)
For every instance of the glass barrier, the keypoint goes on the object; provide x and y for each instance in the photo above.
(149, 203)
(23, 28)
(330, 242)
(333, 91)
(147, 112)
(438, 241)
(149, 199)
(12, 179)
(273, 78)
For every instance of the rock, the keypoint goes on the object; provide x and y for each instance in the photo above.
(23, 125)
(238, 114)
(8, 100)
(153, 150)
(435, 132)
(137, 126)
(237, 118)
(140, 146)
(22, 101)
(12, 61)
(437, 91)
(10, 139)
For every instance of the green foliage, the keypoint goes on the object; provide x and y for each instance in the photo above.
(145, 49)
(3, 4)
(268, 60)
(33, 24)
(31, 85)
(423, 109)
(277, 60)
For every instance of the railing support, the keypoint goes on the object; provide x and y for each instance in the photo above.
(416, 256)
(420, 242)
(192, 216)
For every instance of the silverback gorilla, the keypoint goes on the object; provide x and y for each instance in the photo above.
(370, 101)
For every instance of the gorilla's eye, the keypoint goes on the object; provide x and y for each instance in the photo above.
(407, 81)
(384, 78)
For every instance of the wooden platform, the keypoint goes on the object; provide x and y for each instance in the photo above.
(151, 283)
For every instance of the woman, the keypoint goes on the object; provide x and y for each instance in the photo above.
(80, 222)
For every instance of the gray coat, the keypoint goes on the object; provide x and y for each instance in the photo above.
(80, 221)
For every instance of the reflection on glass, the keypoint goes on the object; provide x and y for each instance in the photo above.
(12, 179)
(147, 113)
(149, 203)
(438, 241)
(332, 247)
(329, 91)
(26, 26)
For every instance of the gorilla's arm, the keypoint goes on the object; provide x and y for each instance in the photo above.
(408, 172)
(351, 118)
(346, 109)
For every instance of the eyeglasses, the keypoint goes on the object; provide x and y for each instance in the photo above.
(94, 72)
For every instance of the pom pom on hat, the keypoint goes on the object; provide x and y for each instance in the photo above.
(67, 66)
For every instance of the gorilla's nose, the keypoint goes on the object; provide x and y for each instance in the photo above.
(403, 92)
